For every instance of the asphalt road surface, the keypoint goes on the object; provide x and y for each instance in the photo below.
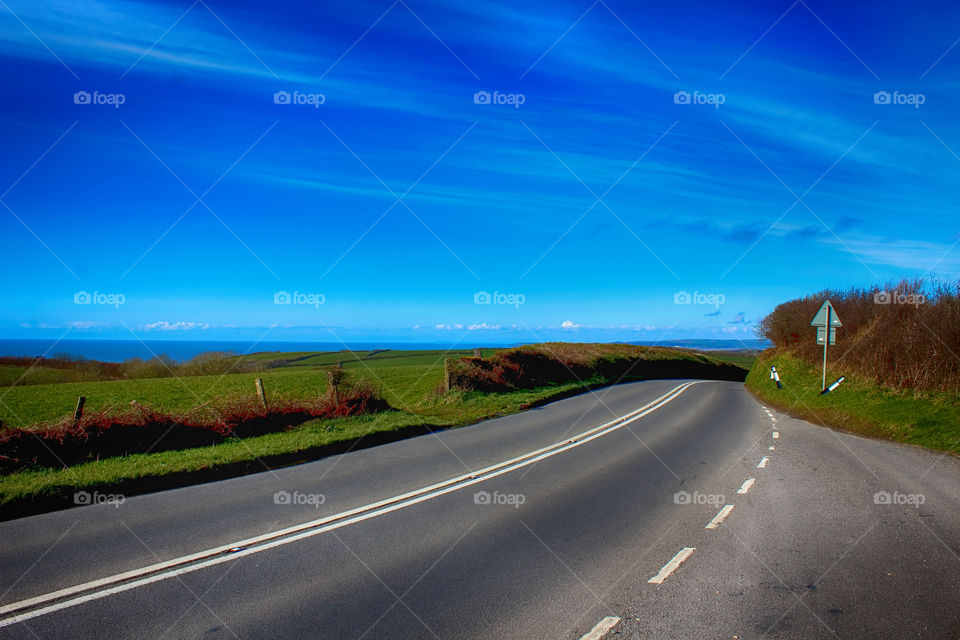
(701, 516)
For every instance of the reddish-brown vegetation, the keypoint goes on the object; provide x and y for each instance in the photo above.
(903, 335)
(539, 365)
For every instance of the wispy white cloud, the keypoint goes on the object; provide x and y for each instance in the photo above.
(181, 325)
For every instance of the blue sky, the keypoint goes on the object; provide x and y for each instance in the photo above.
(617, 186)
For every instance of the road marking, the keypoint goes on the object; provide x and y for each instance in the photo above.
(70, 596)
(771, 448)
(776, 435)
(763, 463)
(720, 517)
(671, 566)
(602, 627)
(746, 485)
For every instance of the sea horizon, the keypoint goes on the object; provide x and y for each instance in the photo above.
(113, 350)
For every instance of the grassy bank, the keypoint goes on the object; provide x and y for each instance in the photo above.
(926, 418)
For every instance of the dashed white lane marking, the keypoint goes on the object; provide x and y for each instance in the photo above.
(776, 435)
(104, 587)
(763, 462)
(771, 448)
(601, 629)
(671, 566)
(746, 485)
(720, 517)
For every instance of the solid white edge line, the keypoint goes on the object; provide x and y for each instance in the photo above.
(671, 566)
(601, 628)
(763, 462)
(315, 527)
(720, 517)
(746, 485)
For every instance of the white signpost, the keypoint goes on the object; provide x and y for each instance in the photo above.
(826, 321)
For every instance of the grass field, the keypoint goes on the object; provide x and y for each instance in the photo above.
(405, 377)
(13, 374)
(929, 419)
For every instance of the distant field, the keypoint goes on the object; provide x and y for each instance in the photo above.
(740, 357)
(362, 358)
(11, 375)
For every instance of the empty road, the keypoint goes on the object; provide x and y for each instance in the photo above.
(656, 509)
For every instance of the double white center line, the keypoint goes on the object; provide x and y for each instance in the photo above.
(16, 612)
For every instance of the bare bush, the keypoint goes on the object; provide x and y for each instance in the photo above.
(902, 335)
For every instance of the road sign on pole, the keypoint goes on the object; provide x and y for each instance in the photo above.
(826, 321)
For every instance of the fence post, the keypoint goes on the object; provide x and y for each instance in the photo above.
(261, 394)
(78, 412)
(477, 353)
(334, 390)
(446, 375)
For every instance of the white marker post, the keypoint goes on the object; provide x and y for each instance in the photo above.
(826, 321)
(833, 386)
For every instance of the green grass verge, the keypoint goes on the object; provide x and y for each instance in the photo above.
(928, 419)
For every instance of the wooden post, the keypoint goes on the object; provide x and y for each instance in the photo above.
(333, 387)
(340, 364)
(78, 412)
(477, 353)
(446, 375)
(261, 394)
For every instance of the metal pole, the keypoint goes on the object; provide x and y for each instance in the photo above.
(826, 341)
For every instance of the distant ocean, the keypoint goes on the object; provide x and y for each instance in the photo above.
(120, 350)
